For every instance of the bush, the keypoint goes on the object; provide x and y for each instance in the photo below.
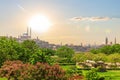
(92, 75)
(74, 71)
(101, 69)
(75, 74)
(44, 71)
(17, 70)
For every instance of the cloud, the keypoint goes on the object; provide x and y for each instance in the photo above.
(22, 8)
(91, 18)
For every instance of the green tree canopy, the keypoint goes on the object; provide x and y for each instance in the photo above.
(100, 57)
(114, 58)
(9, 49)
(108, 49)
(65, 52)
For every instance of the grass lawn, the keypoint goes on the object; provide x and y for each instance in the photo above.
(3, 79)
(110, 74)
(67, 66)
(114, 74)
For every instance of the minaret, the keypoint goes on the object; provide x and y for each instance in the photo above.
(115, 41)
(106, 41)
(30, 32)
(61, 44)
(27, 31)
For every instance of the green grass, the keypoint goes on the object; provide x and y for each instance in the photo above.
(114, 74)
(110, 74)
(66, 67)
(3, 79)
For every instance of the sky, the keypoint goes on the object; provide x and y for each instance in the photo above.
(73, 21)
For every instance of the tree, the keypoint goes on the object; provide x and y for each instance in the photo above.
(114, 58)
(82, 57)
(79, 57)
(27, 51)
(40, 56)
(30, 44)
(9, 49)
(106, 49)
(65, 52)
(29, 48)
(100, 57)
(47, 51)
(109, 49)
(89, 56)
(116, 48)
(95, 51)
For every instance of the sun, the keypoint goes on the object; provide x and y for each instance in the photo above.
(39, 23)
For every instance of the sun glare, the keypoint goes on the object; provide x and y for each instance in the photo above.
(39, 23)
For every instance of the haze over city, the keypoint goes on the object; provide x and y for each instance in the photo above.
(66, 21)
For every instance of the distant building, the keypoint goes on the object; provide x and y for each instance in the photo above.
(45, 44)
(115, 41)
(25, 36)
(106, 41)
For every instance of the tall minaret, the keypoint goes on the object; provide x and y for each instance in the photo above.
(30, 32)
(106, 41)
(61, 44)
(115, 41)
(27, 31)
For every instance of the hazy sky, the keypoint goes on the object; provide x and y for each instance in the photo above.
(74, 21)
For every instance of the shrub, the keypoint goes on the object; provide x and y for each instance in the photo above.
(74, 71)
(44, 71)
(101, 69)
(17, 70)
(74, 74)
(92, 75)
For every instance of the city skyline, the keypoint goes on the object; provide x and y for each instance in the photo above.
(73, 21)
